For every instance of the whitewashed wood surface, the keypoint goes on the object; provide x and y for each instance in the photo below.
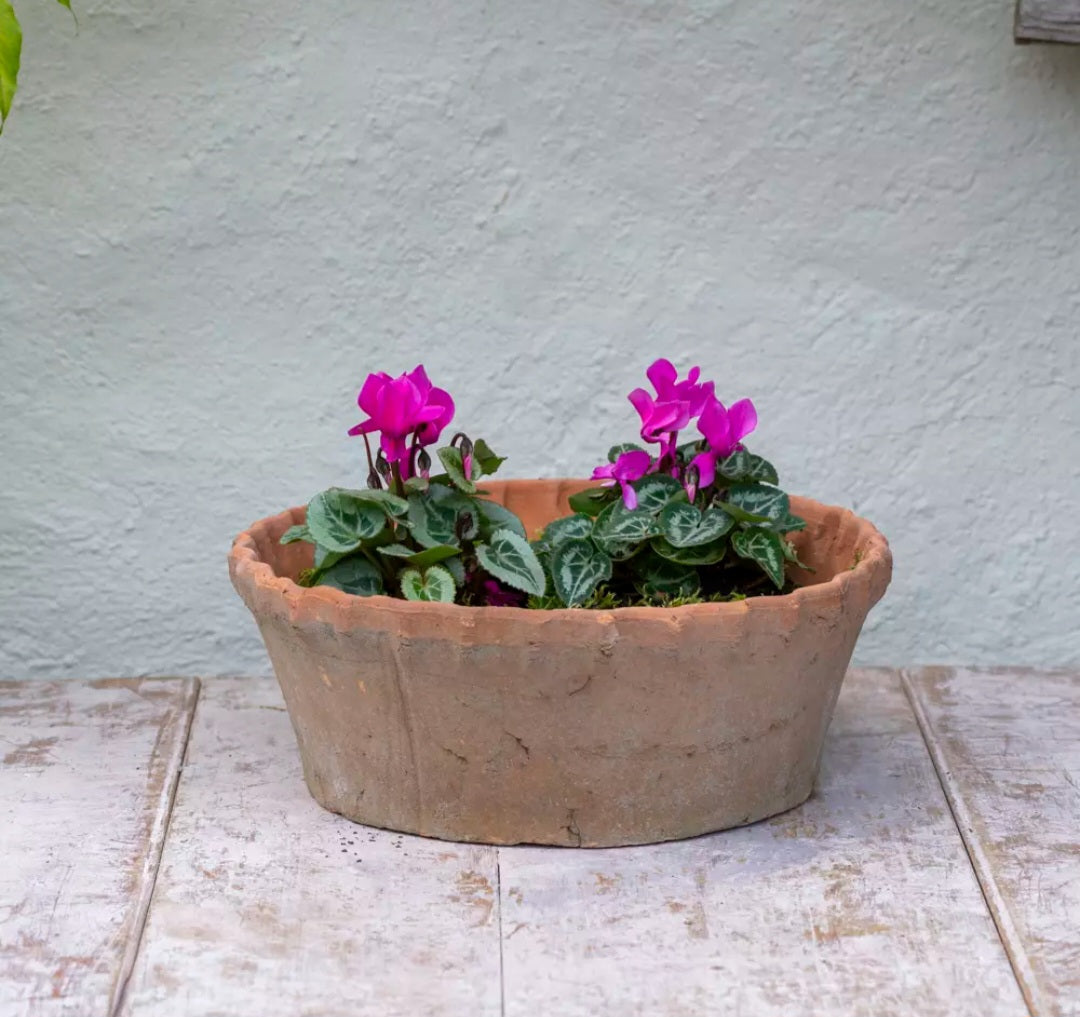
(1007, 743)
(268, 905)
(87, 771)
(860, 902)
(863, 901)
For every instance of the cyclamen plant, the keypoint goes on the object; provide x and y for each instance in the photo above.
(410, 533)
(686, 522)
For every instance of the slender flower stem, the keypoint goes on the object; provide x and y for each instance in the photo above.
(372, 472)
(396, 483)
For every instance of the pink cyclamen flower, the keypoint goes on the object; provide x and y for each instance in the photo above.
(723, 429)
(659, 420)
(665, 379)
(397, 407)
(630, 466)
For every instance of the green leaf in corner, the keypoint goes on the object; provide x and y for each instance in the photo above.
(434, 584)
(10, 54)
(508, 556)
(455, 469)
(578, 566)
(355, 575)
(702, 554)
(295, 533)
(765, 548)
(432, 522)
(789, 524)
(339, 521)
(618, 526)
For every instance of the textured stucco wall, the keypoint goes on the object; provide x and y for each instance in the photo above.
(216, 217)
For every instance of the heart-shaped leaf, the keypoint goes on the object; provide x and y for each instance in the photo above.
(421, 559)
(765, 548)
(455, 469)
(686, 526)
(575, 527)
(389, 502)
(433, 584)
(508, 556)
(788, 524)
(577, 567)
(432, 522)
(702, 554)
(761, 501)
(655, 491)
(295, 533)
(743, 466)
(355, 575)
(494, 516)
(617, 526)
(339, 521)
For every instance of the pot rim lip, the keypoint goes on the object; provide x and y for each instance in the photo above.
(871, 573)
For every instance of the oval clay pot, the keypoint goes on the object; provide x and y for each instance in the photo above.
(573, 727)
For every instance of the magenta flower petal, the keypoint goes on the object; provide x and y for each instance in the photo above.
(742, 419)
(629, 496)
(663, 376)
(705, 464)
(632, 465)
(428, 432)
(605, 472)
(368, 399)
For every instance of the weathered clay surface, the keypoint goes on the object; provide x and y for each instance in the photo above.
(572, 727)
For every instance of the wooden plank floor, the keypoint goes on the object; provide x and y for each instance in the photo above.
(1007, 743)
(936, 870)
(87, 777)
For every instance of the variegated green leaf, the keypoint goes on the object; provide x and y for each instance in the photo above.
(488, 462)
(355, 575)
(295, 533)
(761, 501)
(455, 469)
(617, 527)
(432, 522)
(494, 516)
(655, 491)
(685, 526)
(433, 584)
(508, 556)
(389, 502)
(765, 548)
(575, 527)
(339, 521)
(703, 554)
(788, 524)
(578, 566)
(742, 466)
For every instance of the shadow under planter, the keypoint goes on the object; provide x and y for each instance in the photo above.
(570, 727)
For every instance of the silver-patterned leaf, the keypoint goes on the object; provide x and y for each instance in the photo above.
(765, 548)
(508, 556)
(759, 500)
(685, 526)
(339, 521)
(578, 566)
(355, 575)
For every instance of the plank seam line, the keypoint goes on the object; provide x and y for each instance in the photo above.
(980, 864)
(499, 898)
(159, 835)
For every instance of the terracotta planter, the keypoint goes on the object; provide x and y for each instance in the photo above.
(572, 727)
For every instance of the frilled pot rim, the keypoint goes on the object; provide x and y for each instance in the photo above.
(865, 579)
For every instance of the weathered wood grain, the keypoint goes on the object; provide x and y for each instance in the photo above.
(862, 901)
(1007, 746)
(268, 905)
(1047, 21)
(87, 771)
